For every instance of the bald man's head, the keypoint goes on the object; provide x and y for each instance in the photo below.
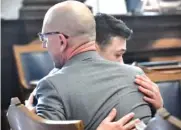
(72, 18)
(67, 26)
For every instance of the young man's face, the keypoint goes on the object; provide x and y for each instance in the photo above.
(115, 50)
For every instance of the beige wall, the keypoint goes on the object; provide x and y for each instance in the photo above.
(10, 9)
(108, 6)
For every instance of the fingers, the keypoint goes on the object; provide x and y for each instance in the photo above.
(146, 77)
(150, 90)
(30, 99)
(111, 115)
(107, 123)
(148, 84)
(149, 100)
(29, 103)
(126, 118)
(26, 102)
(143, 77)
(131, 125)
(32, 109)
(143, 82)
(29, 106)
(146, 92)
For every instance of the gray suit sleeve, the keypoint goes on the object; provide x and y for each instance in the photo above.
(49, 104)
(132, 101)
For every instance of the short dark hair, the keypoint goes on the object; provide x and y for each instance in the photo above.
(107, 27)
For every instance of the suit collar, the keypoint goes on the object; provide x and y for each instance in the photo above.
(83, 56)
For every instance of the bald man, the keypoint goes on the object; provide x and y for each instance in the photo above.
(86, 87)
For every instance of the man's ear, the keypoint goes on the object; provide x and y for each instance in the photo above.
(63, 42)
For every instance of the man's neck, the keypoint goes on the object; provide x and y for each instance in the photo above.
(90, 46)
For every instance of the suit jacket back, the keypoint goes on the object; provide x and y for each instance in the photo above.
(87, 88)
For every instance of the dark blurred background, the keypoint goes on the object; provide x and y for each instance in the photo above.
(152, 22)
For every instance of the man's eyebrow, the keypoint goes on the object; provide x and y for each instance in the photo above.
(121, 50)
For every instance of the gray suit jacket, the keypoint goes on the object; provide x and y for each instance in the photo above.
(87, 88)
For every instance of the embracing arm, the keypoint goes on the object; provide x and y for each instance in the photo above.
(49, 104)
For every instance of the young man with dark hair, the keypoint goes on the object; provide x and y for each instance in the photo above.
(111, 37)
